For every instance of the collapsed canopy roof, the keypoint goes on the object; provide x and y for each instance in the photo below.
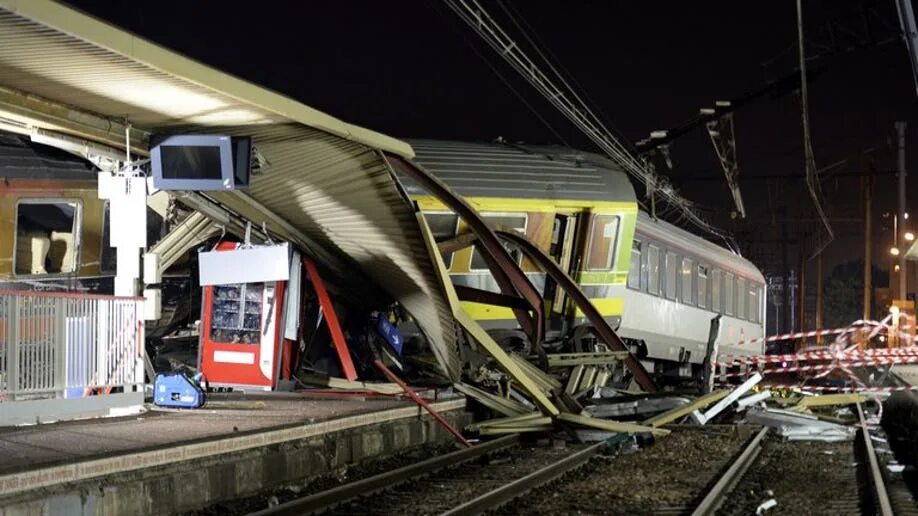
(327, 188)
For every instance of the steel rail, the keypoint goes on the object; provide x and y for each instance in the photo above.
(519, 487)
(883, 504)
(342, 494)
(711, 502)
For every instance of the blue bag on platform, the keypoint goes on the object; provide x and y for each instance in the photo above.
(177, 390)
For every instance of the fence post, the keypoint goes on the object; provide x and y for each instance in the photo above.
(61, 346)
(13, 350)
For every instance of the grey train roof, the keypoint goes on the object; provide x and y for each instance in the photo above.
(520, 171)
(20, 158)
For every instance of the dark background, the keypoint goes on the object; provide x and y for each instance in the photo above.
(412, 69)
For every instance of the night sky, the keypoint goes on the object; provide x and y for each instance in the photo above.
(413, 69)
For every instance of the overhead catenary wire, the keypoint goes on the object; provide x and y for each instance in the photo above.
(812, 174)
(572, 107)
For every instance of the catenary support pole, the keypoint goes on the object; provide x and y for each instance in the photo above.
(903, 221)
(868, 245)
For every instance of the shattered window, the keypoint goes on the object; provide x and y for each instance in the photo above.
(47, 237)
(514, 222)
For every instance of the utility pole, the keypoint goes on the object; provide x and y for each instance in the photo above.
(801, 286)
(900, 234)
(867, 184)
(785, 284)
(819, 296)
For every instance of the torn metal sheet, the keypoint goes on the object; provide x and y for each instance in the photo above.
(639, 407)
(575, 359)
(676, 413)
(728, 400)
(492, 401)
(799, 427)
(612, 426)
(343, 200)
(754, 399)
(506, 421)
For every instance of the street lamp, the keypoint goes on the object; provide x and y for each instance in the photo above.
(894, 251)
(909, 236)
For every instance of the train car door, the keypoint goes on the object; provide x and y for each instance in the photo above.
(561, 250)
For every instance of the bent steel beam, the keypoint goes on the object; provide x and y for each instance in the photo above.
(490, 298)
(510, 278)
(570, 287)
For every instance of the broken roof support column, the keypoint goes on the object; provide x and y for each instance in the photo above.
(570, 287)
(504, 269)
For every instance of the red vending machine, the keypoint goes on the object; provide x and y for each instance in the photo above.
(242, 342)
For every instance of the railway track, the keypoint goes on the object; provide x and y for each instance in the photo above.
(694, 470)
(809, 478)
(468, 481)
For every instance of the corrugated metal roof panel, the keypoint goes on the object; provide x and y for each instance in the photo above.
(61, 54)
(341, 195)
(501, 170)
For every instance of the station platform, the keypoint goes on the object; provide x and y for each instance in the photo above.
(165, 461)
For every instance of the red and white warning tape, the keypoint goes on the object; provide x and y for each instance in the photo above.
(831, 388)
(824, 354)
(828, 367)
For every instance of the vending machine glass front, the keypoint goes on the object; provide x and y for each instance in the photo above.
(239, 345)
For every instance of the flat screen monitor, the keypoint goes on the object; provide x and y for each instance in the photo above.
(200, 162)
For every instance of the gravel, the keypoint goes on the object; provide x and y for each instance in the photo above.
(803, 477)
(668, 477)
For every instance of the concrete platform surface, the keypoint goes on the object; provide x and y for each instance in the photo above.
(25, 448)
(907, 373)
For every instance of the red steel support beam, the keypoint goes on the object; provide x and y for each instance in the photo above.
(331, 319)
(600, 326)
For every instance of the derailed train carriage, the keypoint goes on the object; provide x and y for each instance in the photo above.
(659, 285)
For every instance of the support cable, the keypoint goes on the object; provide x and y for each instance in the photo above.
(572, 107)
(812, 174)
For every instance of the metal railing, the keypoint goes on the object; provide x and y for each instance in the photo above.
(63, 345)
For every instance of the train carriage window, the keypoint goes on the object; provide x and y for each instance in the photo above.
(753, 303)
(514, 222)
(728, 293)
(688, 270)
(741, 298)
(603, 236)
(444, 226)
(760, 305)
(716, 280)
(47, 237)
(672, 261)
(634, 268)
(702, 282)
(653, 269)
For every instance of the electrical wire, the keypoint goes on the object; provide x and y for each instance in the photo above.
(471, 12)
